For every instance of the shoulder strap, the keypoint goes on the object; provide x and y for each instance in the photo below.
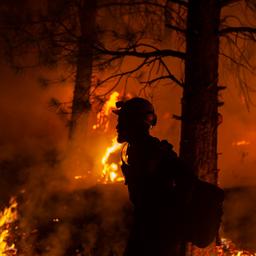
(167, 149)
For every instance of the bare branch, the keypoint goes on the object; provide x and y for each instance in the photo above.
(67, 30)
(180, 2)
(107, 62)
(121, 74)
(177, 29)
(242, 60)
(243, 30)
(236, 62)
(224, 3)
(172, 77)
(133, 3)
(143, 54)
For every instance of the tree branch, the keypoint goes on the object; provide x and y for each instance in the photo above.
(133, 3)
(243, 30)
(180, 2)
(224, 3)
(241, 59)
(121, 74)
(135, 53)
(172, 77)
(177, 29)
(183, 3)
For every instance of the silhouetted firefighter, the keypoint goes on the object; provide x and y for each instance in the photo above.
(157, 226)
(166, 196)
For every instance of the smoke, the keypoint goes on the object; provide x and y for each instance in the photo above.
(79, 222)
(30, 134)
(237, 161)
(239, 217)
(237, 140)
(60, 214)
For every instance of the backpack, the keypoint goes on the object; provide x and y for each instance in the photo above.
(203, 213)
(201, 203)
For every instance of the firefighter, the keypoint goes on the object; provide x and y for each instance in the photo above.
(151, 174)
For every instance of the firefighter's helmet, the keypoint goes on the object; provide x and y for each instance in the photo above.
(137, 108)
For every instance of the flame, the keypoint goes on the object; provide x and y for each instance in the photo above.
(110, 170)
(8, 216)
(102, 116)
(241, 143)
(227, 248)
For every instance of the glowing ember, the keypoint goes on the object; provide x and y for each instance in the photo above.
(102, 116)
(8, 216)
(80, 177)
(110, 169)
(228, 248)
(241, 143)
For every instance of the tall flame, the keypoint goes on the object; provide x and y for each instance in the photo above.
(110, 169)
(7, 216)
(110, 172)
(103, 115)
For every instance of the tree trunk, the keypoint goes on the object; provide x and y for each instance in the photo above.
(81, 103)
(198, 145)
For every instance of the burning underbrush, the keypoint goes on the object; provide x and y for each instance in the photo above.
(88, 222)
(7, 221)
(228, 248)
(51, 218)
(82, 222)
(95, 221)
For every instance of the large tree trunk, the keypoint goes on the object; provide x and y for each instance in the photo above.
(198, 146)
(81, 103)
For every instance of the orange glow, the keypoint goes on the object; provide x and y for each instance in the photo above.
(8, 216)
(103, 115)
(228, 248)
(110, 169)
(79, 177)
(241, 143)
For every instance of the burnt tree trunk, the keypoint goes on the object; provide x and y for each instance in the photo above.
(198, 146)
(80, 102)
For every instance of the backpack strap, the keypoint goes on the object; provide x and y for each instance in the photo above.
(167, 149)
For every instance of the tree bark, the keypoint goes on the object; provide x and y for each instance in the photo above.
(81, 102)
(198, 146)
